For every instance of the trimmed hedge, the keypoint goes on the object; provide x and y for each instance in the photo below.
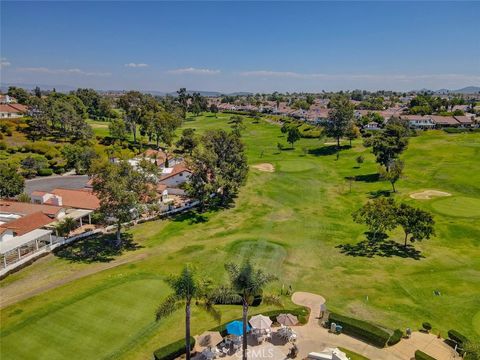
(395, 338)
(457, 337)
(420, 355)
(361, 329)
(45, 172)
(173, 350)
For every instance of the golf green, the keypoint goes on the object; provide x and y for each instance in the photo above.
(460, 206)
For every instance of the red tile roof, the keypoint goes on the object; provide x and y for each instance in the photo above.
(79, 199)
(17, 207)
(464, 119)
(28, 223)
(13, 108)
(444, 120)
(177, 169)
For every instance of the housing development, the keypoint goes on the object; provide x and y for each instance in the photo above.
(315, 210)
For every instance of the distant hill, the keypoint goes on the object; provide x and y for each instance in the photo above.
(465, 90)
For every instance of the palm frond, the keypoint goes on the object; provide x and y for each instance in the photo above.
(168, 307)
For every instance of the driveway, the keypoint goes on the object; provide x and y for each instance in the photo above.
(52, 182)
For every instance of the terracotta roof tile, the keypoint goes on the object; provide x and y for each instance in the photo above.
(28, 223)
(17, 207)
(79, 199)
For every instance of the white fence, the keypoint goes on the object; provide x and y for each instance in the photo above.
(16, 258)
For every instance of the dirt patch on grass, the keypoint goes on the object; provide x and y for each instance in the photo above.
(428, 194)
(267, 167)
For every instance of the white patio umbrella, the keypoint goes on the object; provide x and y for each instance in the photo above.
(260, 322)
(209, 339)
(287, 319)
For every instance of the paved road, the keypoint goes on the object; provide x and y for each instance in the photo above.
(53, 182)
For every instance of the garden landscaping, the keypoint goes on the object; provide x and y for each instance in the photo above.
(290, 221)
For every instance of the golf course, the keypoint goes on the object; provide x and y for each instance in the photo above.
(294, 218)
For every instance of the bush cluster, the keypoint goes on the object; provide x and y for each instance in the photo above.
(457, 337)
(361, 329)
(173, 350)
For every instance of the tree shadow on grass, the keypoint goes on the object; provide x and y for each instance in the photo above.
(381, 247)
(379, 193)
(369, 178)
(191, 216)
(101, 248)
(327, 150)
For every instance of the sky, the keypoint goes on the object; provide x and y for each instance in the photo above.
(241, 46)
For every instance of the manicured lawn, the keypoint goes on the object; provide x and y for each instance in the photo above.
(291, 222)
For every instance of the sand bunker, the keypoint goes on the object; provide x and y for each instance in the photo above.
(428, 194)
(267, 167)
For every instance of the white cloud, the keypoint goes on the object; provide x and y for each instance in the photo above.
(389, 77)
(4, 62)
(136, 65)
(192, 70)
(74, 71)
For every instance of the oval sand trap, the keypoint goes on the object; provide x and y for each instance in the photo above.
(267, 167)
(428, 194)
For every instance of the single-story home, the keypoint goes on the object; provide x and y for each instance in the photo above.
(175, 176)
(12, 111)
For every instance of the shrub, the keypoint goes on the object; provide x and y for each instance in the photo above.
(301, 313)
(361, 329)
(45, 172)
(420, 355)
(427, 326)
(173, 350)
(3, 145)
(457, 337)
(395, 338)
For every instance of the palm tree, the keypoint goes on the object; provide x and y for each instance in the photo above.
(246, 281)
(187, 287)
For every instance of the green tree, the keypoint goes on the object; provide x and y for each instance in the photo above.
(38, 126)
(394, 173)
(214, 109)
(79, 157)
(378, 215)
(20, 94)
(389, 144)
(65, 226)
(38, 92)
(293, 135)
(133, 104)
(122, 191)
(182, 100)
(219, 167)
(352, 132)
(118, 129)
(416, 222)
(247, 281)
(188, 141)
(341, 115)
(11, 182)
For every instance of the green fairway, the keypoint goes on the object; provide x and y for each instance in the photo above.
(290, 221)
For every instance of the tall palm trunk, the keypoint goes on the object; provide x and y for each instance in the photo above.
(187, 330)
(245, 318)
(406, 237)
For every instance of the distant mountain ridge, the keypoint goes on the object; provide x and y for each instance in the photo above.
(68, 88)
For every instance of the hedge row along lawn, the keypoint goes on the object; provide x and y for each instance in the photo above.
(289, 221)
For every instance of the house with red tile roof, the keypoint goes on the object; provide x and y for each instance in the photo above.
(444, 121)
(175, 176)
(11, 111)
